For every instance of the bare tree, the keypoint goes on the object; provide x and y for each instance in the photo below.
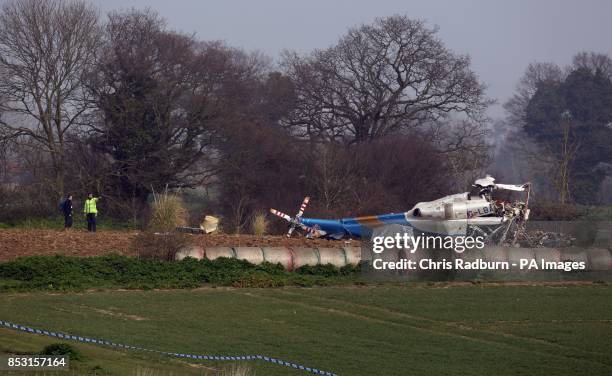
(567, 154)
(164, 100)
(535, 75)
(45, 48)
(379, 79)
(536, 108)
(464, 146)
(518, 157)
(335, 177)
(595, 62)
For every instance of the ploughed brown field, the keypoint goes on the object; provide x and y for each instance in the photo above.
(30, 242)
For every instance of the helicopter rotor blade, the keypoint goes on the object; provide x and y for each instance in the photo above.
(281, 214)
(295, 221)
(303, 206)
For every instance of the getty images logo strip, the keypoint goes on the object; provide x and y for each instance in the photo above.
(11, 325)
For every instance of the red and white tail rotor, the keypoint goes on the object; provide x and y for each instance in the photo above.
(295, 222)
(280, 214)
(303, 206)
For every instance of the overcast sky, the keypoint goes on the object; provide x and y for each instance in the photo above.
(502, 37)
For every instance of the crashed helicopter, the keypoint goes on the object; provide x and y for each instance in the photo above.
(469, 213)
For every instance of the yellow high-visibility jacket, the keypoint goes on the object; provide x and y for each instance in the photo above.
(90, 206)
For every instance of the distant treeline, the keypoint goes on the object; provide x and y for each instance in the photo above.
(121, 105)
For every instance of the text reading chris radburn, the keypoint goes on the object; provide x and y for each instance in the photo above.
(459, 244)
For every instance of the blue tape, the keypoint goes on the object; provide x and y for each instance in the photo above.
(176, 355)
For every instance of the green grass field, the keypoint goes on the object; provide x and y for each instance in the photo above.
(375, 330)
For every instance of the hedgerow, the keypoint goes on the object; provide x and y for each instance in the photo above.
(66, 273)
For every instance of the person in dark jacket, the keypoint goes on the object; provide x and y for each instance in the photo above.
(67, 211)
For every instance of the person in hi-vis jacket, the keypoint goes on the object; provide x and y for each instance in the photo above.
(91, 211)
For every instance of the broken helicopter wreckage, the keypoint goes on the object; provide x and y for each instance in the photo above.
(476, 214)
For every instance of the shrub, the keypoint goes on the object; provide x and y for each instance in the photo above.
(159, 246)
(259, 280)
(167, 212)
(238, 370)
(546, 211)
(115, 271)
(328, 270)
(259, 224)
(61, 349)
(160, 241)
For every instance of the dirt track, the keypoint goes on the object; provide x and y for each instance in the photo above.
(28, 242)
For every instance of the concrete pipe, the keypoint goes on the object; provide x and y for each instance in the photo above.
(573, 254)
(305, 256)
(193, 251)
(389, 254)
(496, 254)
(367, 255)
(547, 254)
(515, 255)
(280, 255)
(599, 259)
(254, 255)
(213, 253)
(472, 255)
(333, 256)
(352, 255)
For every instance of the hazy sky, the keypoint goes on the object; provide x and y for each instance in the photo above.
(502, 37)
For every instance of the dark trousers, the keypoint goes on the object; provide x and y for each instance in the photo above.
(68, 221)
(91, 222)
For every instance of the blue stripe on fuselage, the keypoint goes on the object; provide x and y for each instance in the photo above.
(357, 226)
